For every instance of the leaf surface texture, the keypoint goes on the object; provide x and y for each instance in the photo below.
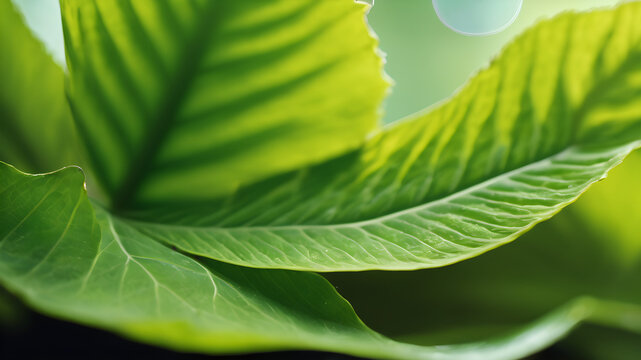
(88, 266)
(189, 100)
(524, 138)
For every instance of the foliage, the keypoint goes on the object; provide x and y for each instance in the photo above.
(226, 137)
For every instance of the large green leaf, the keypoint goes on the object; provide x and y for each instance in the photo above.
(524, 138)
(187, 100)
(97, 270)
(36, 130)
(591, 249)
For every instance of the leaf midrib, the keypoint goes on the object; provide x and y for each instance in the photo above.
(374, 220)
(173, 99)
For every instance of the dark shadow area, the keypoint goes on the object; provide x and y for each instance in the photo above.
(28, 335)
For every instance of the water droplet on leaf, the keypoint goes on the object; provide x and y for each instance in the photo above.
(477, 17)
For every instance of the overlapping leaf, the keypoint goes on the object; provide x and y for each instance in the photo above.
(524, 138)
(36, 130)
(591, 249)
(187, 100)
(99, 271)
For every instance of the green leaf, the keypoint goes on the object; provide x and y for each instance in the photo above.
(36, 130)
(524, 138)
(189, 100)
(97, 270)
(591, 249)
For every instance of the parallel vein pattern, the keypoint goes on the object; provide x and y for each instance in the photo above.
(180, 100)
(438, 233)
(550, 116)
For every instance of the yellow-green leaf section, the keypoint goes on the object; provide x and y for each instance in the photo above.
(525, 137)
(190, 100)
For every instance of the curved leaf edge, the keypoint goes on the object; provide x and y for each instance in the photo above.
(357, 260)
(521, 342)
(148, 228)
(524, 341)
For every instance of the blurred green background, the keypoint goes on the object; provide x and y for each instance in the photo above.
(43, 17)
(428, 61)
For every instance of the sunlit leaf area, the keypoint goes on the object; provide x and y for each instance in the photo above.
(320, 179)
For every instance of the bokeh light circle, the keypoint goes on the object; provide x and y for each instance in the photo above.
(477, 17)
